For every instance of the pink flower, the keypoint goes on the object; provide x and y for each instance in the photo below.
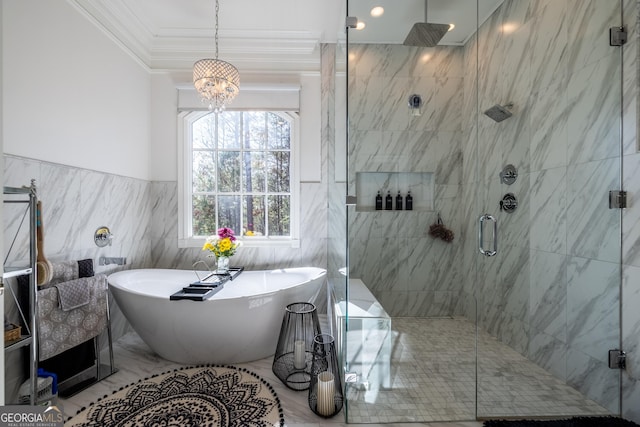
(225, 233)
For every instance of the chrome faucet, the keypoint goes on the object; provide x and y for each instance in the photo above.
(112, 260)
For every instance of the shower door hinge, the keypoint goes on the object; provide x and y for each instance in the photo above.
(617, 359)
(351, 200)
(351, 22)
(617, 36)
(617, 199)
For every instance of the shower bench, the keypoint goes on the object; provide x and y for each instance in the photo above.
(368, 338)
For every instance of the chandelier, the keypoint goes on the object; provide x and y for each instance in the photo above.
(217, 82)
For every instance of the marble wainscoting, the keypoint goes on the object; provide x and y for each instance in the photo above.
(313, 231)
(75, 202)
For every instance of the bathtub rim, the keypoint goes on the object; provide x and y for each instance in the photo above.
(319, 273)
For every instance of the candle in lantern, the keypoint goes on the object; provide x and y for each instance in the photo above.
(299, 355)
(326, 390)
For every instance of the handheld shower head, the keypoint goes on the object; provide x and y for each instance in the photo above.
(499, 112)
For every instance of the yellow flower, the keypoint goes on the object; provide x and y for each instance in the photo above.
(221, 245)
(224, 244)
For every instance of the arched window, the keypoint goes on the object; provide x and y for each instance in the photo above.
(238, 172)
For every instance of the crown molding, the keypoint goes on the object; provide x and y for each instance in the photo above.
(118, 23)
(179, 48)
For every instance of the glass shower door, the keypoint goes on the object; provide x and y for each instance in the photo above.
(410, 334)
(549, 94)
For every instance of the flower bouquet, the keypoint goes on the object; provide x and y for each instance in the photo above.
(222, 246)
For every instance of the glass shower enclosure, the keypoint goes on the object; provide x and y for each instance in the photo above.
(490, 287)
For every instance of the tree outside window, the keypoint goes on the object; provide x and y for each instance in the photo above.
(241, 173)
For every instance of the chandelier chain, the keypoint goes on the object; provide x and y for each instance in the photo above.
(217, 12)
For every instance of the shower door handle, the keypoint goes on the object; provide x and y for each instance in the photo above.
(481, 221)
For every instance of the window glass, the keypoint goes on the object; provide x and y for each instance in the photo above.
(240, 173)
(279, 218)
(204, 215)
(228, 171)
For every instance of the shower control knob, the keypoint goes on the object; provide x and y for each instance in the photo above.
(508, 175)
(509, 203)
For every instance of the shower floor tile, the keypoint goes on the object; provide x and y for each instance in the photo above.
(433, 379)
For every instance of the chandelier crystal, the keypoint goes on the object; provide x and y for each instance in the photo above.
(217, 81)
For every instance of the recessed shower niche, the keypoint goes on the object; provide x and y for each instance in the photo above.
(421, 185)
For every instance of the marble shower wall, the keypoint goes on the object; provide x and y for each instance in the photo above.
(631, 216)
(552, 291)
(409, 272)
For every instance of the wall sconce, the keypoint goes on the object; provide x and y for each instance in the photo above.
(415, 104)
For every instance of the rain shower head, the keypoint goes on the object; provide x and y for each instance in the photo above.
(499, 112)
(425, 34)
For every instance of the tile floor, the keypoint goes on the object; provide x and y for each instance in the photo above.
(432, 381)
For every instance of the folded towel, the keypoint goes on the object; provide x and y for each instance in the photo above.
(76, 293)
(85, 267)
(64, 271)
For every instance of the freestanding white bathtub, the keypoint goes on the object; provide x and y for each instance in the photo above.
(240, 323)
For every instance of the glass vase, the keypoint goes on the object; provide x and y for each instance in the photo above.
(223, 265)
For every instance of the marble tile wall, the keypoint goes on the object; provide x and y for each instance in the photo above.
(163, 234)
(75, 202)
(631, 216)
(408, 271)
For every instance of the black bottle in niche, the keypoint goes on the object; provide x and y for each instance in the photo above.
(409, 202)
(379, 201)
(399, 201)
(388, 201)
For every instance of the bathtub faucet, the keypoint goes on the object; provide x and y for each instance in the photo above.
(112, 260)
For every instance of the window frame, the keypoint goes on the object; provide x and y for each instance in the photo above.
(186, 239)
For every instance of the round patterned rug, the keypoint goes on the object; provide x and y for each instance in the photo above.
(213, 396)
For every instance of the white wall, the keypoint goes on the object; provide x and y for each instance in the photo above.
(163, 152)
(310, 144)
(71, 95)
(74, 97)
